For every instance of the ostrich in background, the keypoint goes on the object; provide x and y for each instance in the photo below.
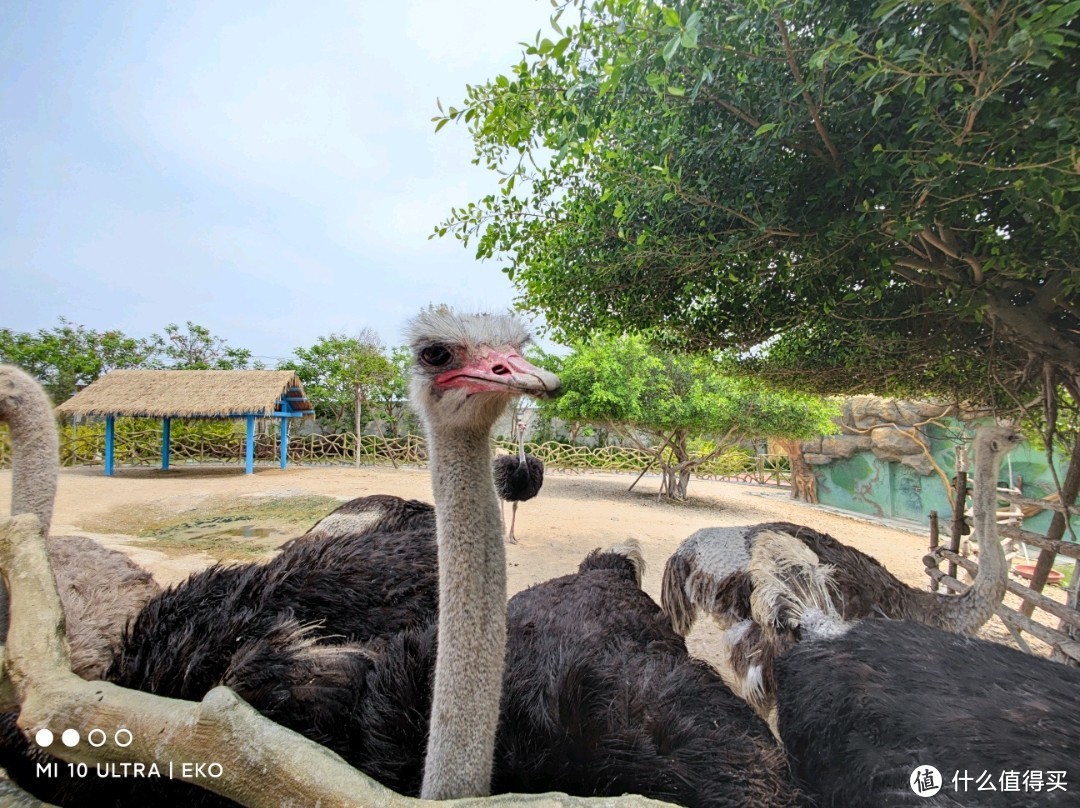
(100, 589)
(518, 478)
(371, 515)
(731, 578)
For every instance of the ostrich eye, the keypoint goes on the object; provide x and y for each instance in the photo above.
(435, 356)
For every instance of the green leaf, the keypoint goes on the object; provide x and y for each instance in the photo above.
(672, 47)
(764, 128)
(671, 18)
(677, 91)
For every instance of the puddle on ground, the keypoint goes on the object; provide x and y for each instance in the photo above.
(223, 539)
(201, 533)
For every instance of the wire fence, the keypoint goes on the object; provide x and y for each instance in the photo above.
(198, 442)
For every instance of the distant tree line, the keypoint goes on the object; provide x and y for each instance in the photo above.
(352, 380)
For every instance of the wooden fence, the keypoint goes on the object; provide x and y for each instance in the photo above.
(208, 442)
(1059, 639)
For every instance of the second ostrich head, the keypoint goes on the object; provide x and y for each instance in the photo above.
(467, 368)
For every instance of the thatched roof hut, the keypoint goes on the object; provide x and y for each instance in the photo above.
(189, 394)
(169, 394)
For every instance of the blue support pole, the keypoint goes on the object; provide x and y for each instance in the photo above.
(166, 424)
(284, 440)
(249, 463)
(110, 435)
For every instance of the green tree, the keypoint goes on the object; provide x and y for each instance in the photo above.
(197, 349)
(665, 402)
(340, 374)
(71, 356)
(882, 194)
(885, 191)
(391, 392)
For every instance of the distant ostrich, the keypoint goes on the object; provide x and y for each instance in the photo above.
(100, 589)
(731, 580)
(518, 478)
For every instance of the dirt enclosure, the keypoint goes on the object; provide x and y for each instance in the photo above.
(573, 514)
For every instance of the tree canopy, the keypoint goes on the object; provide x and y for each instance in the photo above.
(197, 349)
(662, 401)
(341, 373)
(70, 355)
(884, 195)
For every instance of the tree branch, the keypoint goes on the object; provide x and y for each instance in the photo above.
(810, 105)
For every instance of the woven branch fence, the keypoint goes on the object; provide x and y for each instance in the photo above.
(1062, 639)
(137, 444)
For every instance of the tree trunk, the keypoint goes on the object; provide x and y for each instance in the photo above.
(359, 402)
(677, 476)
(1069, 489)
(676, 481)
(803, 479)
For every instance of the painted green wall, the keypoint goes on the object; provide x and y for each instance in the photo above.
(865, 484)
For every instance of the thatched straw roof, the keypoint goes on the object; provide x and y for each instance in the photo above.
(188, 393)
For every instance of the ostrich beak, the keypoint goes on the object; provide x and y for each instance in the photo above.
(502, 371)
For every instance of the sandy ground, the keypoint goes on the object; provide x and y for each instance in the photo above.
(573, 514)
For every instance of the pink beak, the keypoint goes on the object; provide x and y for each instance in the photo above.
(502, 372)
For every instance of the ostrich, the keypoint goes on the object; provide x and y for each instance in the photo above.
(299, 637)
(602, 698)
(518, 478)
(371, 515)
(889, 697)
(715, 572)
(100, 589)
(627, 699)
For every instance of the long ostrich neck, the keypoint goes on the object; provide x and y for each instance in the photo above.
(967, 612)
(34, 445)
(472, 617)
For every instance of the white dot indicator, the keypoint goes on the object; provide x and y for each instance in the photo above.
(123, 738)
(44, 737)
(96, 738)
(70, 737)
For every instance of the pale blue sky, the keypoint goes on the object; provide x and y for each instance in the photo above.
(266, 169)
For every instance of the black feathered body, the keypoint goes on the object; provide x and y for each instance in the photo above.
(858, 713)
(600, 696)
(518, 480)
(603, 699)
(376, 513)
(296, 638)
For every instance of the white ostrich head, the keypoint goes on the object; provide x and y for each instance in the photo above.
(467, 368)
